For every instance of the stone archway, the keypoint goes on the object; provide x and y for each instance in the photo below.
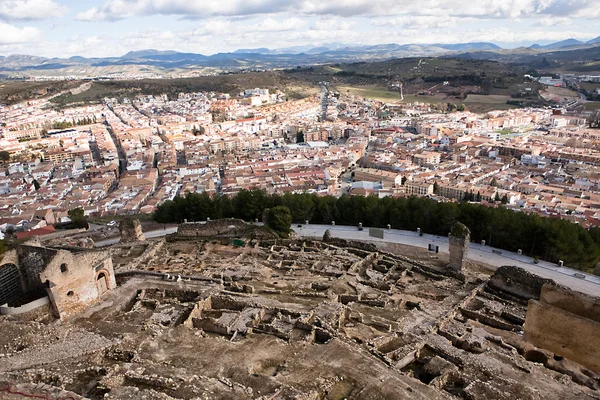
(10, 284)
(102, 282)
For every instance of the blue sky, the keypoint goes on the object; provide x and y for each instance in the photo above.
(100, 28)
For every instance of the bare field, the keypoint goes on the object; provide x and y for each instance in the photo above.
(474, 103)
(564, 93)
(486, 99)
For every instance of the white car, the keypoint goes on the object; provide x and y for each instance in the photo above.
(112, 223)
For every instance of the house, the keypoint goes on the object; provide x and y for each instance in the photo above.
(46, 215)
(46, 230)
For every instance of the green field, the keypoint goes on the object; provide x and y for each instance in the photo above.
(592, 105)
(589, 85)
(382, 94)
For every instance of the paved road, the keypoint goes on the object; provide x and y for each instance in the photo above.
(586, 283)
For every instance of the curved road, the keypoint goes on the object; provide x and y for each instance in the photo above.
(584, 283)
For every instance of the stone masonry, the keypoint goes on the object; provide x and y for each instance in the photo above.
(460, 237)
(131, 231)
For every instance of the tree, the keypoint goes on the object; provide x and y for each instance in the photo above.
(478, 197)
(548, 238)
(77, 217)
(436, 188)
(504, 199)
(279, 219)
(494, 182)
(4, 156)
(36, 185)
(461, 107)
(497, 197)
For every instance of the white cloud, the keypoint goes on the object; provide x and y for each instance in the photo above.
(12, 34)
(30, 9)
(330, 24)
(555, 21)
(500, 35)
(121, 9)
(272, 25)
(423, 21)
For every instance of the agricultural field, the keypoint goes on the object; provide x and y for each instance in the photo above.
(483, 103)
(559, 92)
(592, 105)
(385, 95)
(589, 85)
(16, 91)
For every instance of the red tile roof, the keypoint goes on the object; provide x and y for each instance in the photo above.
(36, 232)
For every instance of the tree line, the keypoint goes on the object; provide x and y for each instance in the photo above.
(551, 239)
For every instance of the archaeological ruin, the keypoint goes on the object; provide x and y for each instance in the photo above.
(222, 310)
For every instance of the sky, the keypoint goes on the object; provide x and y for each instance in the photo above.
(105, 28)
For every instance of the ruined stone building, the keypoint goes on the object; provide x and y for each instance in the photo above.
(69, 279)
(197, 316)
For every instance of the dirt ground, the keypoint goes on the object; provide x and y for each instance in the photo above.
(290, 320)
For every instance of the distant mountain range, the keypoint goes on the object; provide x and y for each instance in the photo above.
(170, 61)
(566, 43)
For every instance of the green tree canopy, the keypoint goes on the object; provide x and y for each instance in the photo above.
(279, 219)
(77, 217)
(550, 239)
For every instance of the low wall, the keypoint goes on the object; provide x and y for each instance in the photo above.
(172, 277)
(573, 302)
(5, 310)
(518, 283)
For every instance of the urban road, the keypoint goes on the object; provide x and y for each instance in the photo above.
(576, 280)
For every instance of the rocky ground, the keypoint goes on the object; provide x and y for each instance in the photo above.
(288, 320)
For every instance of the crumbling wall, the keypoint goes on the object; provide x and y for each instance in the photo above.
(518, 283)
(25, 308)
(567, 323)
(229, 227)
(32, 260)
(459, 239)
(131, 230)
(571, 301)
(563, 332)
(73, 280)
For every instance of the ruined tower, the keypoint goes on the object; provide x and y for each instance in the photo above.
(131, 230)
(459, 239)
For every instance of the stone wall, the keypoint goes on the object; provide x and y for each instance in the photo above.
(80, 284)
(518, 283)
(25, 307)
(566, 323)
(459, 239)
(70, 278)
(131, 230)
(573, 302)
(229, 227)
(32, 260)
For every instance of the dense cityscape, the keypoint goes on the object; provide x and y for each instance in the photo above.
(299, 200)
(129, 155)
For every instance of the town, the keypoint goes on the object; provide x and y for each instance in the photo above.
(128, 155)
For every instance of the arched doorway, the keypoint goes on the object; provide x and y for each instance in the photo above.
(102, 282)
(10, 284)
